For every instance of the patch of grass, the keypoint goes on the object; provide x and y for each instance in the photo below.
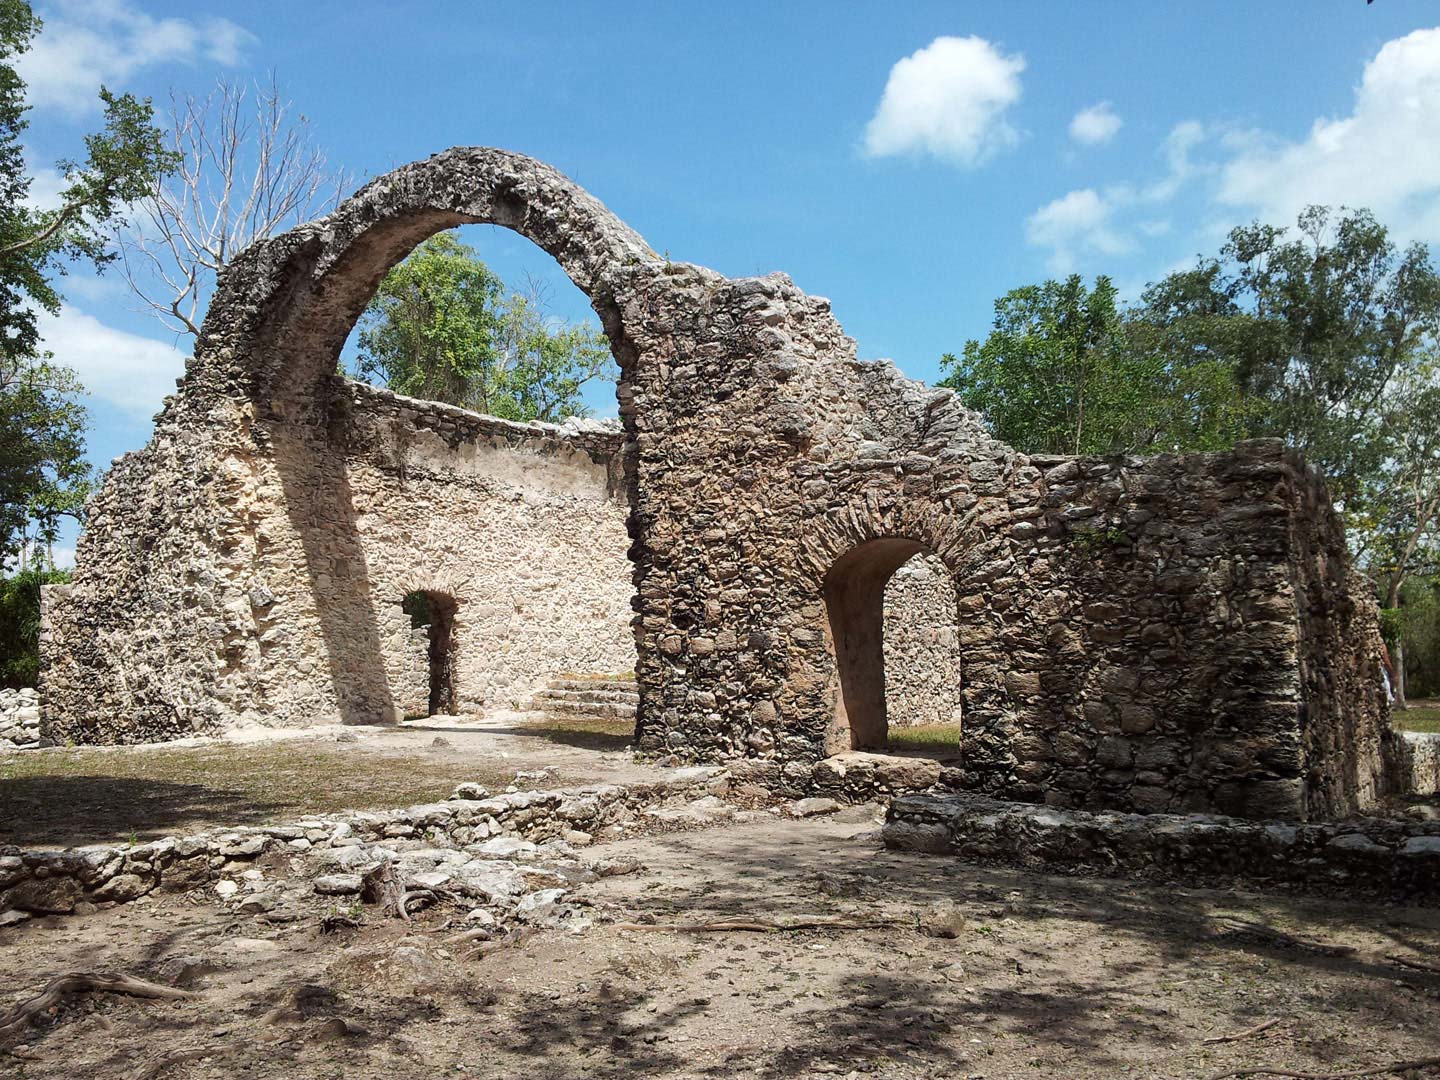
(590, 733)
(934, 737)
(1417, 718)
(90, 795)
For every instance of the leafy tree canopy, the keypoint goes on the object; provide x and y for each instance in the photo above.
(443, 327)
(1065, 371)
(42, 424)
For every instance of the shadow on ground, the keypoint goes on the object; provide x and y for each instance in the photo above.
(73, 810)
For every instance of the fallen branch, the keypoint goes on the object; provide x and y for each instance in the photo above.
(1418, 965)
(27, 1012)
(1247, 1033)
(763, 926)
(155, 1066)
(1378, 1070)
(1279, 937)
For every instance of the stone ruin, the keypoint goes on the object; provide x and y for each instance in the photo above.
(1177, 633)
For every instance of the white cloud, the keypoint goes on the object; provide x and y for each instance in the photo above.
(1384, 155)
(131, 372)
(1096, 124)
(1082, 222)
(1096, 222)
(85, 43)
(949, 100)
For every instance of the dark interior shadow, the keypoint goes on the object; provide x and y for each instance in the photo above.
(66, 811)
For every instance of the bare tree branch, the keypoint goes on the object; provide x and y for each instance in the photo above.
(249, 169)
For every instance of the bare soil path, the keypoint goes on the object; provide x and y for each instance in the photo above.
(1045, 977)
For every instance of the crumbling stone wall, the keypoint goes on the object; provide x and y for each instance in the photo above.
(1138, 634)
(922, 646)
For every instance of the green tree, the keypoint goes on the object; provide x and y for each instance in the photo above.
(1324, 327)
(122, 163)
(20, 623)
(442, 326)
(1065, 371)
(42, 423)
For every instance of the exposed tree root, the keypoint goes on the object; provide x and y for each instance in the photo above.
(155, 1066)
(1278, 937)
(765, 926)
(1247, 1033)
(23, 1015)
(1418, 965)
(1349, 1074)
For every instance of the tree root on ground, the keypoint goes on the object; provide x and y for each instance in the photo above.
(1247, 1033)
(26, 1013)
(155, 1066)
(766, 926)
(1349, 1074)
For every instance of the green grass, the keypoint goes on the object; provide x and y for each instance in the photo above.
(1417, 718)
(91, 795)
(926, 737)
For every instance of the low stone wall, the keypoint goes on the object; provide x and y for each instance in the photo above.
(1415, 763)
(54, 882)
(19, 718)
(1367, 856)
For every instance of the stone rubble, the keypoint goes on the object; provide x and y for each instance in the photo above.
(492, 852)
(20, 718)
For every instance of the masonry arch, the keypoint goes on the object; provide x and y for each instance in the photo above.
(268, 351)
(284, 308)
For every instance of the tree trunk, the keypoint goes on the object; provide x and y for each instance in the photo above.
(1398, 659)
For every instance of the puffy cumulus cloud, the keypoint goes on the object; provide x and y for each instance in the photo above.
(130, 372)
(950, 100)
(1384, 155)
(89, 42)
(1095, 125)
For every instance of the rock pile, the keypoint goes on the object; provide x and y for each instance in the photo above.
(512, 856)
(19, 718)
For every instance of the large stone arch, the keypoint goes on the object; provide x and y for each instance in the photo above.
(283, 309)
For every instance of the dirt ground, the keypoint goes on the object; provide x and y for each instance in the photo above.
(1046, 977)
(85, 795)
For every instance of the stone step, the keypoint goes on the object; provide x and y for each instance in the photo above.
(628, 685)
(599, 710)
(627, 697)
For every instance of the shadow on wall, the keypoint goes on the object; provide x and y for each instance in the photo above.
(320, 506)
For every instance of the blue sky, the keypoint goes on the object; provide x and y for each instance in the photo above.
(912, 163)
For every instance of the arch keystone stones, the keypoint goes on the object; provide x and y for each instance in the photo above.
(1140, 634)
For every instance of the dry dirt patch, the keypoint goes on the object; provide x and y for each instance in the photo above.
(1045, 977)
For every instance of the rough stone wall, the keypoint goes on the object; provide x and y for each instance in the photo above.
(922, 645)
(1130, 629)
(523, 524)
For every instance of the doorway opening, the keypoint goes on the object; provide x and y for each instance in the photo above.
(432, 624)
(894, 629)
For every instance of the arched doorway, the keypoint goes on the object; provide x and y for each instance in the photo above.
(855, 591)
(354, 468)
